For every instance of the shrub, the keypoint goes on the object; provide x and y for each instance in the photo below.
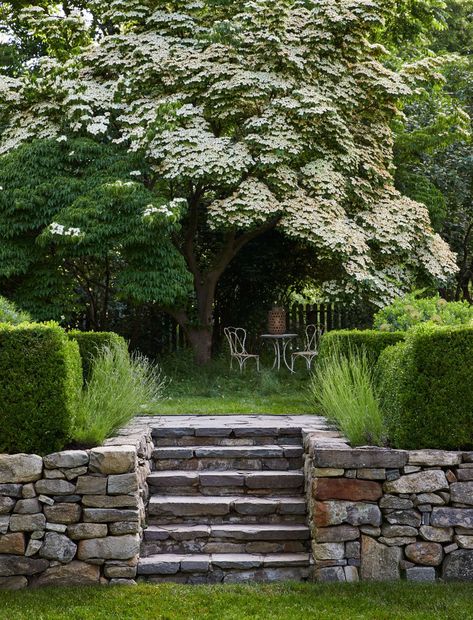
(40, 383)
(346, 341)
(408, 311)
(90, 343)
(426, 387)
(342, 389)
(119, 387)
(9, 313)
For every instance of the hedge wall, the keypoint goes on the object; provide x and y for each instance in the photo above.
(426, 387)
(40, 383)
(90, 342)
(347, 340)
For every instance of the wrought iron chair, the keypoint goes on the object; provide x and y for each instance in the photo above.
(313, 334)
(236, 337)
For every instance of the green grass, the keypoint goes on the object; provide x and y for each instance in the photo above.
(365, 601)
(215, 389)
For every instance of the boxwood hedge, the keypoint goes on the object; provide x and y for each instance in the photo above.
(90, 343)
(426, 388)
(345, 341)
(40, 383)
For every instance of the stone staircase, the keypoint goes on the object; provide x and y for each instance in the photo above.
(227, 503)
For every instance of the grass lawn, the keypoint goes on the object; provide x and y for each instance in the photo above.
(216, 389)
(243, 602)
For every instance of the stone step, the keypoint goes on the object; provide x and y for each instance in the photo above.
(267, 457)
(226, 538)
(227, 482)
(165, 509)
(224, 567)
(228, 436)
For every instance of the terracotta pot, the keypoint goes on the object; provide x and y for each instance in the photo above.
(277, 321)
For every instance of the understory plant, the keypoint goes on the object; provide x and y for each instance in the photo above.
(9, 313)
(120, 386)
(342, 389)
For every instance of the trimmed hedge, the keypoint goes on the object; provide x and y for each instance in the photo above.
(349, 340)
(40, 384)
(90, 342)
(426, 388)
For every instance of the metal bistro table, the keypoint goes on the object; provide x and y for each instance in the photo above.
(280, 343)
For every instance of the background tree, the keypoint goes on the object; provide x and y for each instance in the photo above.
(252, 116)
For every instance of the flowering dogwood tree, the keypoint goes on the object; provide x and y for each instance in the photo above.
(251, 115)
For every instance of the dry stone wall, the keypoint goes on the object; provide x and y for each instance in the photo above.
(378, 514)
(74, 517)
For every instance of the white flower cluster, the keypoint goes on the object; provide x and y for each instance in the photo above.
(59, 229)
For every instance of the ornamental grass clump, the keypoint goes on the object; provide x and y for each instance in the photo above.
(343, 390)
(120, 386)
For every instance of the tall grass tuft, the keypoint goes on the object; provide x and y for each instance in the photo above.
(343, 390)
(120, 386)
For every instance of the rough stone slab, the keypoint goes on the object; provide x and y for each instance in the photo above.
(109, 515)
(420, 482)
(55, 487)
(66, 459)
(427, 553)
(286, 559)
(6, 505)
(330, 574)
(27, 523)
(337, 533)
(173, 453)
(379, 562)
(20, 468)
(113, 459)
(110, 501)
(353, 513)
(237, 560)
(11, 490)
(19, 565)
(26, 506)
(173, 478)
(393, 501)
(63, 513)
(461, 492)
(57, 547)
(91, 485)
(420, 574)
(171, 432)
(398, 530)
(359, 458)
(458, 566)
(162, 564)
(404, 517)
(274, 479)
(189, 505)
(429, 498)
(255, 431)
(73, 574)
(436, 534)
(222, 478)
(465, 542)
(120, 484)
(196, 563)
(327, 472)
(451, 517)
(260, 532)
(213, 432)
(432, 458)
(347, 489)
(240, 452)
(371, 473)
(82, 531)
(123, 527)
(176, 532)
(13, 543)
(13, 583)
(328, 551)
(109, 547)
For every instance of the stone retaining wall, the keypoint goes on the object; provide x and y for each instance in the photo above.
(74, 517)
(379, 514)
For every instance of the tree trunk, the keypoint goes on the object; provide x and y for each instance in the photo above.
(200, 339)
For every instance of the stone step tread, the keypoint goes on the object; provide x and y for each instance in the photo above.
(265, 451)
(252, 479)
(220, 506)
(247, 532)
(171, 563)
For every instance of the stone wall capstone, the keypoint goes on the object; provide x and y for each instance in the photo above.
(74, 517)
(378, 514)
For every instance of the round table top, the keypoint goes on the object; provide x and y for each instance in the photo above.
(281, 336)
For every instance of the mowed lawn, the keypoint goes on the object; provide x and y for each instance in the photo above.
(379, 601)
(215, 389)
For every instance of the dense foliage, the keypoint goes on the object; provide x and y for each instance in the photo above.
(9, 313)
(90, 344)
(411, 310)
(246, 116)
(40, 383)
(347, 342)
(426, 387)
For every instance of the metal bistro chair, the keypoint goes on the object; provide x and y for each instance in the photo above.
(313, 334)
(236, 337)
